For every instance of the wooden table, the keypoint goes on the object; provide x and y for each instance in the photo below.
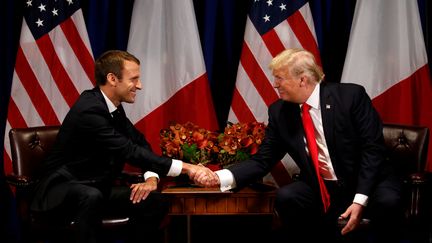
(189, 201)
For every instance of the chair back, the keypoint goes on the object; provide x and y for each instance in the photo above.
(29, 146)
(407, 147)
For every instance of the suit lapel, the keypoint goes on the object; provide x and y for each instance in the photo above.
(327, 115)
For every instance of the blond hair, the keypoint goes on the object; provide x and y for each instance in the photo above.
(298, 62)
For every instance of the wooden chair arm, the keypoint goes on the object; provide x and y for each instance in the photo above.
(19, 181)
(130, 177)
(418, 178)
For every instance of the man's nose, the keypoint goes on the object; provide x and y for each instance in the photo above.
(138, 84)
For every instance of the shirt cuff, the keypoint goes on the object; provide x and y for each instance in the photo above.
(226, 179)
(176, 168)
(361, 199)
(149, 174)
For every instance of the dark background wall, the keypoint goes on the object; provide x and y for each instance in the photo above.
(221, 26)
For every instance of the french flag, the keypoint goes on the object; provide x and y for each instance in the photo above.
(387, 55)
(164, 36)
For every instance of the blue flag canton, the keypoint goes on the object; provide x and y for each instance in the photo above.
(266, 14)
(44, 15)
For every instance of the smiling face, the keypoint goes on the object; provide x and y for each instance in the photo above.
(295, 74)
(125, 87)
(289, 87)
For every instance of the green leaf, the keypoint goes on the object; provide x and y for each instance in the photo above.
(190, 152)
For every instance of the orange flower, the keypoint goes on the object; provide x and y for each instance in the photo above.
(193, 144)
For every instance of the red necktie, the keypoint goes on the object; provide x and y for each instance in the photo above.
(313, 152)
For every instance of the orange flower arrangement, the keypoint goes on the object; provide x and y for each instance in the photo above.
(193, 144)
(188, 142)
(239, 141)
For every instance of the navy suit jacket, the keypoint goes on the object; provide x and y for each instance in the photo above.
(92, 147)
(353, 132)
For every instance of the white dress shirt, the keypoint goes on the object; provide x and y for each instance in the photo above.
(176, 165)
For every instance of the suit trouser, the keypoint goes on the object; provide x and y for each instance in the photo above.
(85, 205)
(300, 210)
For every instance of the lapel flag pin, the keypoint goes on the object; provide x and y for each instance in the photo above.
(328, 106)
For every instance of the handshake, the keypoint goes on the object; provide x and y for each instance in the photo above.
(201, 175)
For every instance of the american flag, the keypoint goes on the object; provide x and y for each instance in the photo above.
(272, 26)
(54, 64)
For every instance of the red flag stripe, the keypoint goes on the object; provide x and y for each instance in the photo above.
(15, 118)
(240, 108)
(34, 90)
(273, 42)
(59, 74)
(7, 161)
(303, 34)
(199, 113)
(257, 76)
(79, 48)
(415, 109)
(280, 174)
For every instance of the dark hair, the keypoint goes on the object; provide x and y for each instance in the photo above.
(111, 62)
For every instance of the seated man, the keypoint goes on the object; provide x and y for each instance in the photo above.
(94, 141)
(334, 135)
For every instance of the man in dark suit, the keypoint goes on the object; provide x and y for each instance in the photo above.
(350, 157)
(94, 141)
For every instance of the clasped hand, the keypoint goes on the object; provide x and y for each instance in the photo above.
(201, 175)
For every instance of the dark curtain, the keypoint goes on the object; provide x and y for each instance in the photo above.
(221, 25)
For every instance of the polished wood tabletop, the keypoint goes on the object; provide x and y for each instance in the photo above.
(193, 200)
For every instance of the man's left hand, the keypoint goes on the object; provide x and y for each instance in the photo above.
(354, 216)
(141, 191)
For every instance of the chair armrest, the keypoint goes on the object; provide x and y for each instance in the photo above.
(419, 178)
(131, 177)
(19, 181)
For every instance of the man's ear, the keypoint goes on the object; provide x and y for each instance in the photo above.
(303, 81)
(111, 79)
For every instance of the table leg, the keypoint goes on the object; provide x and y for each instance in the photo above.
(188, 228)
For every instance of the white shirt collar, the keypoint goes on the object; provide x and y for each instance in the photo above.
(111, 106)
(314, 100)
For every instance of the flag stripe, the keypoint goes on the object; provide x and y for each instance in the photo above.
(7, 161)
(257, 76)
(304, 34)
(16, 119)
(240, 108)
(273, 42)
(34, 90)
(251, 97)
(280, 174)
(24, 104)
(59, 74)
(71, 62)
(79, 48)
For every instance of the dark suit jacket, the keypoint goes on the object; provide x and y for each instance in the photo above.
(92, 147)
(353, 132)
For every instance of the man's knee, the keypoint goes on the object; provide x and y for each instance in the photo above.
(91, 198)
